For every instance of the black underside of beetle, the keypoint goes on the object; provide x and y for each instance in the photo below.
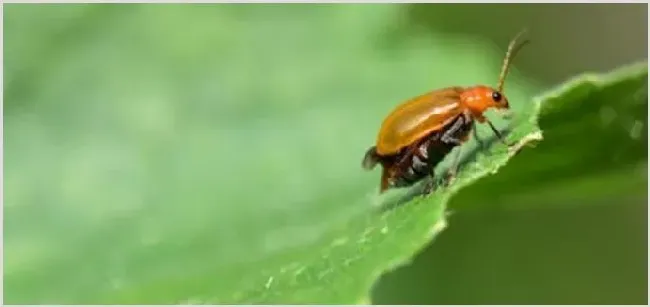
(416, 162)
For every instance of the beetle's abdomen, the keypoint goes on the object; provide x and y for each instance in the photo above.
(416, 162)
(421, 163)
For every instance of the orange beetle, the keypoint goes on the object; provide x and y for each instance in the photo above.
(418, 134)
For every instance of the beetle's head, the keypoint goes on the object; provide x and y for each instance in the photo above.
(480, 98)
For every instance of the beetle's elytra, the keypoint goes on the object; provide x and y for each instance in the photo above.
(419, 133)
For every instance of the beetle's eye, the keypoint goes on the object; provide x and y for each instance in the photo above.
(496, 96)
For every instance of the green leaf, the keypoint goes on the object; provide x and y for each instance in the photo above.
(192, 154)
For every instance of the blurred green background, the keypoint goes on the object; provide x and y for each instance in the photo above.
(154, 142)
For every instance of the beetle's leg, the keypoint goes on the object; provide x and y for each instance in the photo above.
(453, 169)
(478, 139)
(451, 173)
(429, 185)
(432, 182)
(497, 133)
(448, 138)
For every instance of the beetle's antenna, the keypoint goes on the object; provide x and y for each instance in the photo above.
(513, 48)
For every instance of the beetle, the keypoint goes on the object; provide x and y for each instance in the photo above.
(419, 133)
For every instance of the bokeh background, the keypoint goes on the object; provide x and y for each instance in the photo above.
(149, 142)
